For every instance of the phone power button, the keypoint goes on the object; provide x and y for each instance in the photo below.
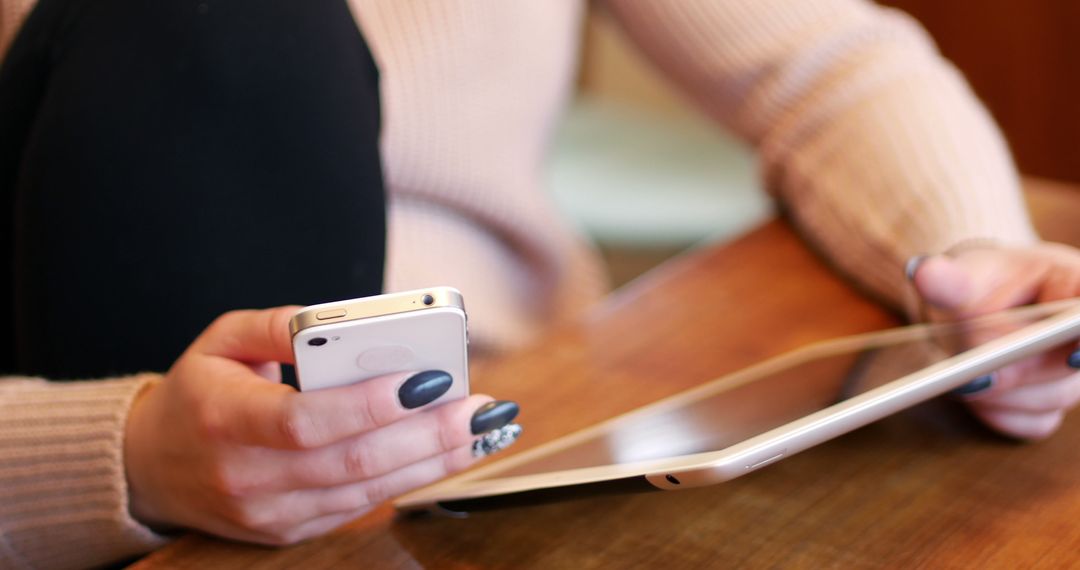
(331, 314)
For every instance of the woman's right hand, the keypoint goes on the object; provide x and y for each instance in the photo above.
(220, 445)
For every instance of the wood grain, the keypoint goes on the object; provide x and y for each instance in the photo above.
(928, 487)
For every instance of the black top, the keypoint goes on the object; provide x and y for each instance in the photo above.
(164, 161)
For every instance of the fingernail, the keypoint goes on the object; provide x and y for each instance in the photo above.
(977, 385)
(424, 388)
(1074, 359)
(496, 440)
(493, 415)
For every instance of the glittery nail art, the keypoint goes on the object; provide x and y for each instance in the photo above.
(496, 440)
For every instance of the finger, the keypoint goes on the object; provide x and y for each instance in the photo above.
(285, 533)
(1022, 425)
(309, 420)
(388, 449)
(1043, 368)
(1063, 283)
(269, 370)
(305, 514)
(1058, 395)
(316, 503)
(312, 529)
(979, 281)
(252, 336)
(943, 283)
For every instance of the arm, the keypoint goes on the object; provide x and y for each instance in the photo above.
(62, 474)
(220, 445)
(875, 143)
(882, 153)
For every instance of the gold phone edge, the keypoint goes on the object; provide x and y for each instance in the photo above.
(368, 307)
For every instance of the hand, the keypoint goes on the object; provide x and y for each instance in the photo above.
(220, 445)
(1027, 400)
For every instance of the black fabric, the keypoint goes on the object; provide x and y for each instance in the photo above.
(164, 161)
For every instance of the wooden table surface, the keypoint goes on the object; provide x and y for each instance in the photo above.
(926, 487)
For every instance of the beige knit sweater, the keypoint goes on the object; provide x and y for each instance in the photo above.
(871, 140)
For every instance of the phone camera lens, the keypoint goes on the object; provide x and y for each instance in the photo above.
(317, 341)
(428, 300)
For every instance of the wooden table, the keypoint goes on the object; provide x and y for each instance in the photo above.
(925, 487)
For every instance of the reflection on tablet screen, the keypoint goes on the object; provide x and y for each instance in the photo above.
(738, 408)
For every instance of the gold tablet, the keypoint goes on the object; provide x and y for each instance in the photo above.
(758, 416)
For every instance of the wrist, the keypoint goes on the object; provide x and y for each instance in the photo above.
(138, 465)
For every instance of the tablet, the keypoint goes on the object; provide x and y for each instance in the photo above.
(758, 416)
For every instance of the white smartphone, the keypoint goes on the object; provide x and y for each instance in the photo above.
(341, 343)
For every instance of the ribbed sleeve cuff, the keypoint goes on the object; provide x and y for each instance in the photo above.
(63, 493)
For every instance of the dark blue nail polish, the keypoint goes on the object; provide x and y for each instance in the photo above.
(977, 385)
(424, 388)
(493, 415)
(1074, 359)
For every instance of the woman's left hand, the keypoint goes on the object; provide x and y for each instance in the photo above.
(1026, 400)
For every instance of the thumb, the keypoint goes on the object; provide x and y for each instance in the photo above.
(945, 284)
(250, 336)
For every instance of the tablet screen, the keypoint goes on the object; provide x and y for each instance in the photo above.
(738, 407)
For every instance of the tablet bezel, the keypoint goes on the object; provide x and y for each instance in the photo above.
(1060, 323)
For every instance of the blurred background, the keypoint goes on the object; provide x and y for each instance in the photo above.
(631, 139)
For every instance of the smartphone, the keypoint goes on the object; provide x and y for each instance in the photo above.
(341, 343)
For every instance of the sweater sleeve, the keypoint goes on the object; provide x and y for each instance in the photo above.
(63, 494)
(872, 140)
